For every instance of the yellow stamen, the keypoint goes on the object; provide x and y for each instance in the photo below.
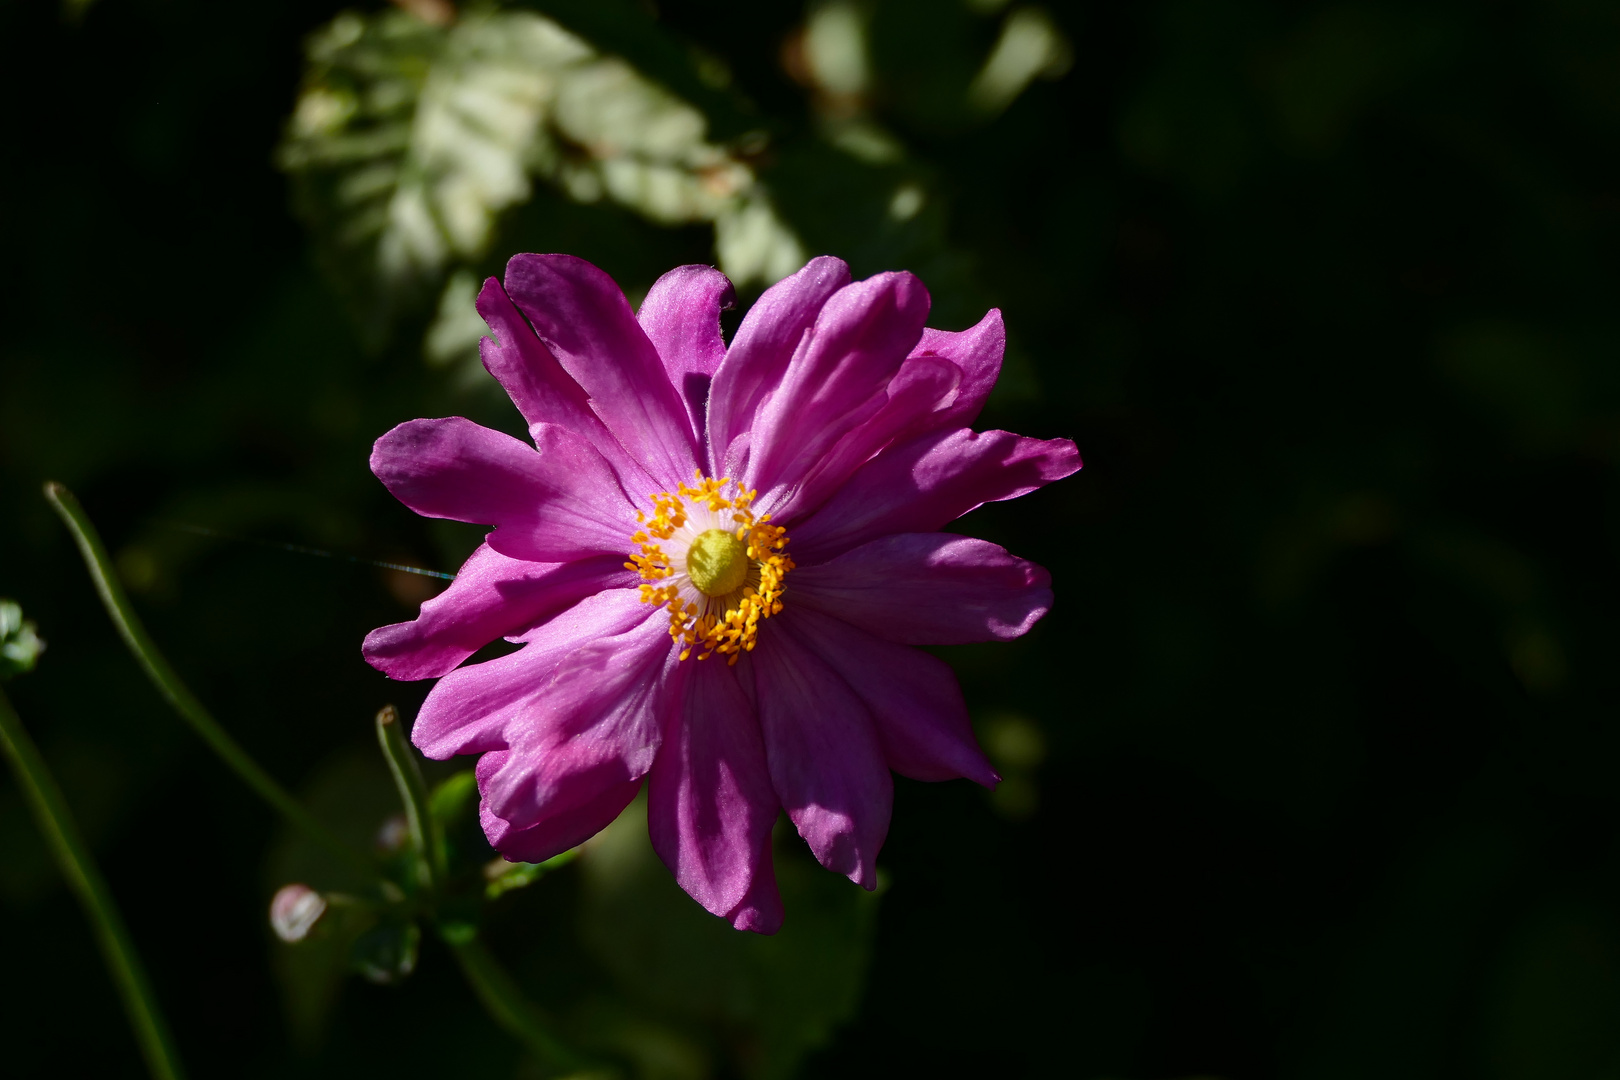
(737, 575)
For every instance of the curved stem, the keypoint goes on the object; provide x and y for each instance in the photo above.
(169, 685)
(73, 856)
(426, 834)
(505, 1001)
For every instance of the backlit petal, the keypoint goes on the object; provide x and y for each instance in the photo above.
(927, 483)
(911, 402)
(977, 353)
(557, 500)
(681, 317)
(913, 698)
(587, 324)
(498, 702)
(711, 805)
(492, 596)
(928, 589)
(558, 832)
(542, 391)
(836, 377)
(597, 724)
(764, 345)
(826, 762)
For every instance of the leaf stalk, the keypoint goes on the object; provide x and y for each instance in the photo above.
(175, 691)
(56, 822)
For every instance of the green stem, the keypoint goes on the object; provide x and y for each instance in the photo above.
(413, 792)
(169, 685)
(73, 856)
(505, 1001)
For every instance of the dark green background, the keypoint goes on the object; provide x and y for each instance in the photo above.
(1327, 293)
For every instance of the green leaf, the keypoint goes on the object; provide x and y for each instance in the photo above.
(409, 140)
(505, 876)
(454, 806)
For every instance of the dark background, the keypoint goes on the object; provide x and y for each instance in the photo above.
(1324, 729)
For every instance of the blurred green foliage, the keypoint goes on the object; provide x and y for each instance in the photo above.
(1309, 773)
(410, 137)
(20, 644)
(677, 967)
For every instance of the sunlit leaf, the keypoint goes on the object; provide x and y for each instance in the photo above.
(410, 139)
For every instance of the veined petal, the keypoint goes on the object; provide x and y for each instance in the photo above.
(598, 724)
(492, 596)
(977, 352)
(928, 589)
(542, 391)
(826, 762)
(927, 483)
(764, 345)
(555, 501)
(711, 805)
(587, 324)
(493, 705)
(913, 698)
(681, 317)
(909, 406)
(836, 377)
(760, 909)
(558, 832)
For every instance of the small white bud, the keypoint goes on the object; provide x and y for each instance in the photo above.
(294, 911)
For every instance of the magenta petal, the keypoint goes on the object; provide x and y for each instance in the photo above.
(491, 596)
(587, 324)
(599, 723)
(681, 317)
(760, 910)
(542, 391)
(911, 402)
(836, 378)
(710, 801)
(495, 704)
(764, 344)
(927, 483)
(928, 589)
(914, 700)
(559, 832)
(559, 503)
(977, 352)
(826, 762)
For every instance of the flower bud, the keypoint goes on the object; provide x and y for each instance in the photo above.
(294, 911)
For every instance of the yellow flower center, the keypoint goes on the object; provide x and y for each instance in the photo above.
(731, 575)
(717, 562)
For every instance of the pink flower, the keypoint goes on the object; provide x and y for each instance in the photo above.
(686, 506)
